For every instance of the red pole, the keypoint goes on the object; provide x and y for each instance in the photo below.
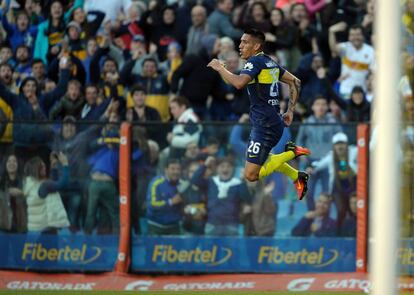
(362, 198)
(123, 261)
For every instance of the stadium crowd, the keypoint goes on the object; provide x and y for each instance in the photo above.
(72, 71)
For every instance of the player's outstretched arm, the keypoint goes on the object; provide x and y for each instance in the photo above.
(294, 86)
(238, 81)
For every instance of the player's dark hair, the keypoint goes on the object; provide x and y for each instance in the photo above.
(181, 101)
(258, 35)
(319, 96)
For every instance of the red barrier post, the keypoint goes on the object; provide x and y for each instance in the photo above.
(362, 198)
(124, 257)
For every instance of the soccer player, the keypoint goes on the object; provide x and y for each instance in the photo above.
(261, 74)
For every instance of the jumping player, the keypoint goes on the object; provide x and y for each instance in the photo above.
(261, 74)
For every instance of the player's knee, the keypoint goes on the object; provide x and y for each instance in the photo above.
(251, 175)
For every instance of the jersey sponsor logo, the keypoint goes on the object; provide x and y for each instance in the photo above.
(248, 66)
(270, 64)
(273, 102)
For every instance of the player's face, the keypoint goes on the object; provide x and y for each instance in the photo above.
(248, 46)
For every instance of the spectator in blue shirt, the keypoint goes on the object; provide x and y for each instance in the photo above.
(227, 197)
(164, 210)
(317, 223)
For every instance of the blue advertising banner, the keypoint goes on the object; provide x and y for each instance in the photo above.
(57, 252)
(238, 254)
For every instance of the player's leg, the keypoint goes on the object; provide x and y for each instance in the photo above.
(299, 178)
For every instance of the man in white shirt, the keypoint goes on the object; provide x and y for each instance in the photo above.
(358, 58)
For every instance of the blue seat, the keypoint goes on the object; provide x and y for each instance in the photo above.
(284, 226)
(284, 208)
(299, 208)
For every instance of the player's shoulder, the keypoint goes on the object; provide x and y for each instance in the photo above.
(260, 60)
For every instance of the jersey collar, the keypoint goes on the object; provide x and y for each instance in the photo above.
(259, 53)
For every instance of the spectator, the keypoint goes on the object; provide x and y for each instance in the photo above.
(102, 190)
(254, 15)
(111, 9)
(348, 228)
(125, 30)
(317, 223)
(358, 58)
(164, 202)
(227, 197)
(357, 108)
(219, 21)
(194, 204)
(187, 128)
(50, 32)
(198, 29)
(88, 28)
(38, 71)
(6, 55)
(29, 105)
(92, 110)
(341, 164)
(11, 185)
(315, 138)
(165, 32)
(45, 210)
(156, 86)
(173, 61)
(23, 63)
(69, 105)
(76, 44)
(299, 18)
(264, 209)
(368, 21)
(140, 112)
(199, 81)
(21, 33)
(75, 146)
(238, 98)
(312, 84)
(281, 38)
(226, 47)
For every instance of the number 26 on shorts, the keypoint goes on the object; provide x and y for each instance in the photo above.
(254, 147)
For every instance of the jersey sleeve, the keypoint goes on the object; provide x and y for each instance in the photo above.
(252, 67)
(281, 71)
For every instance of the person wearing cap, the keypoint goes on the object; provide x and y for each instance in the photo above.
(341, 164)
(77, 45)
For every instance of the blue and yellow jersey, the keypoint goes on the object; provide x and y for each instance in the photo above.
(263, 89)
